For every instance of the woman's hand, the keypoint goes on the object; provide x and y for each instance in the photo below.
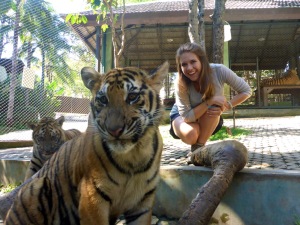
(214, 111)
(216, 105)
(217, 101)
(228, 106)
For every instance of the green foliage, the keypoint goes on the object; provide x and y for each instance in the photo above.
(101, 8)
(94, 3)
(5, 6)
(8, 188)
(76, 19)
(47, 103)
(22, 112)
(297, 220)
(236, 133)
(221, 135)
(104, 27)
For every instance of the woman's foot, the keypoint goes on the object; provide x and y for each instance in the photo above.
(194, 147)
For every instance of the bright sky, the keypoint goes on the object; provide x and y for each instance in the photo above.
(68, 6)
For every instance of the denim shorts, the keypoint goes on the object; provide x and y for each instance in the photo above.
(174, 114)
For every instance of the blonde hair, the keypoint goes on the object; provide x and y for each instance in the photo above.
(207, 88)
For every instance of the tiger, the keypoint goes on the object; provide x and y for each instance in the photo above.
(290, 77)
(110, 170)
(47, 135)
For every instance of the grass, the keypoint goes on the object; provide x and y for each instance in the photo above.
(236, 133)
(221, 135)
(297, 220)
(7, 188)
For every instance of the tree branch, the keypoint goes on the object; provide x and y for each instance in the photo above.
(226, 158)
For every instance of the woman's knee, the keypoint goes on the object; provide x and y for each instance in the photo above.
(190, 137)
(187, 132)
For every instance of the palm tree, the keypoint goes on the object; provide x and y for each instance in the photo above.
(5, 28)
(41, 29)
(45, 31)
(5, 22)
(13, 78)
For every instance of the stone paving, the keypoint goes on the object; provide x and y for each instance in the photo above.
(273, 144)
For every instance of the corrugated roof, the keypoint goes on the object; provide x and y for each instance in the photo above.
(263, 31)
(179, 5)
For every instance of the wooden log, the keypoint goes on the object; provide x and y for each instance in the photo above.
(226, 158)
(7, 200)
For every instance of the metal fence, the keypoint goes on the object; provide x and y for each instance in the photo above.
(40, 62)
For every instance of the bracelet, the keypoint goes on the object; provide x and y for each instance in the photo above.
(230, 104)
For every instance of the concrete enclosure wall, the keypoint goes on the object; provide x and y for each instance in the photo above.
(255, 197)
(13, 171)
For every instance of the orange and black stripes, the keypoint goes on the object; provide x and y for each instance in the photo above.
(47, 136)
(109, 170)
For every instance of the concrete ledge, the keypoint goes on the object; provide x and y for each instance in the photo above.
(255, 197)
(262, 112)
(13, 171)
(15, 144)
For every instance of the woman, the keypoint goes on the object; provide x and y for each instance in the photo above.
(200, 101)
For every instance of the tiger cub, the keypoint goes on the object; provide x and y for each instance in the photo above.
(47, 135)
(110, 170)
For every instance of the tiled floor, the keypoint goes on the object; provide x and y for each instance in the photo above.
(274, 143)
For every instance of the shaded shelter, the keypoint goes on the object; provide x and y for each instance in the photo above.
(264, 33)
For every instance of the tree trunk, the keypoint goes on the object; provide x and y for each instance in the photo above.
(13, 75)
(2, 38)
(7, 200)
(201, 23)
(226, 158)
(193, 21)
(1, 45)
(218, 31)
(117, 50)
(42, 85)
(196, 29)
(29, 57)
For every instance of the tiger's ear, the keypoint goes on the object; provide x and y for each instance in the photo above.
(159, 75)
(60, 120)
(89, 77)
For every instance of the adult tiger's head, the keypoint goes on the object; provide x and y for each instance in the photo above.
(47, 134)
(125, 103)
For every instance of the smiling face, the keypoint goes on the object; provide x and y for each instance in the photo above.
(190, 65)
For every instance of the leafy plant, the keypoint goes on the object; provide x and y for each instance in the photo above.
(47, 103)
(8, 188)
(235, 133)
(221, 135)
(297, 220)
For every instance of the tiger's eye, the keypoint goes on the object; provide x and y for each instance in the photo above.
(133, 97)
(103, 100)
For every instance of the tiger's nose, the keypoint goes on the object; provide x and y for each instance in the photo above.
(116, 132)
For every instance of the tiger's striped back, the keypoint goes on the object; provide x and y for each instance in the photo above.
(47, 135)
(112, 168)
(289, 78)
